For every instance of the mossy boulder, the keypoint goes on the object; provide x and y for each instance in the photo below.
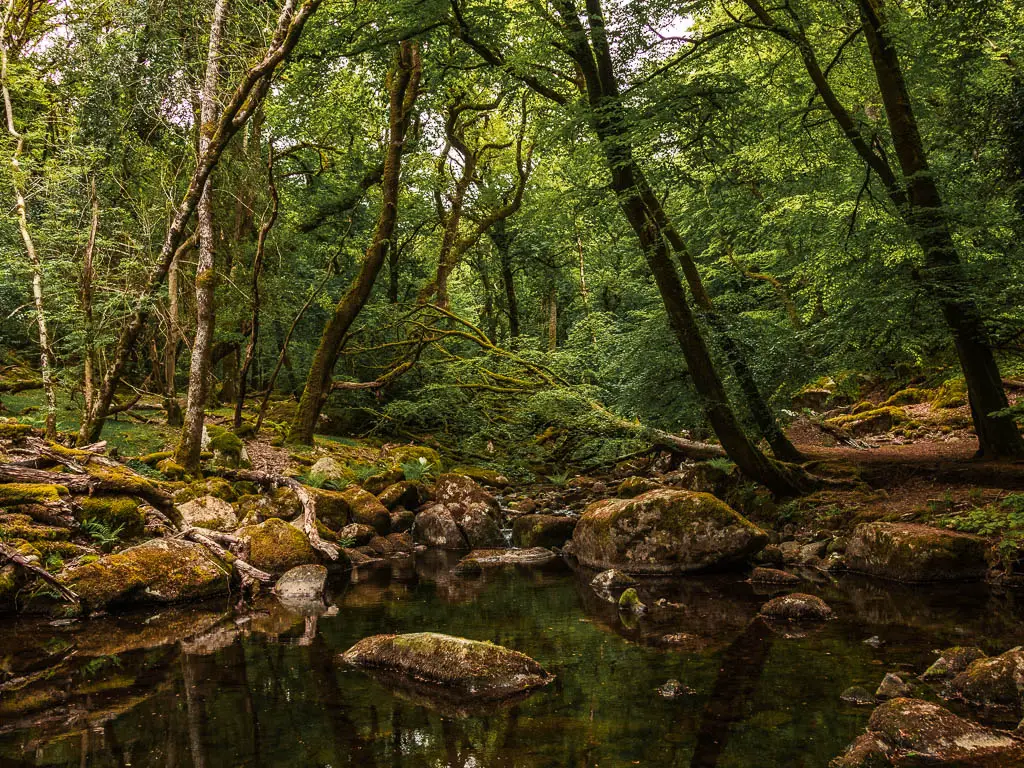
(482, 475)
(170, 469)
(13, 494)
(950, 394)
(405, 454)
(9, 586)
(472, 668)
(159, 571)
(875, 421)
(383, 479)
(365, 508)
(114, 512)
(995, 683)
(915, 553)
(228, 450)
(332, 508)
(209, 512)
(359, 534)
(402, 520)
(952, 661)
(406, 493)
(217, 487)
(632, 487)
(436, 527)
(664, 531)
(332, 470)
(912, 733)
(303, 583)
(629, 602)
(276, 546)
(796, 607)
(542, 530)
(612, 579)
(18, 526)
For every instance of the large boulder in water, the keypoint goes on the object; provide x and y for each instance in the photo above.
(470, 667)
(464, 517)
(366, 509)
(913, 553)
(306, 582)
(911, 733)
(664, 531)
(995, 683)
(159, 571)
(276, 546)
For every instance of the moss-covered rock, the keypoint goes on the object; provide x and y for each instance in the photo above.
(995, 683)
(479, 559)
(170, 469)
(952, 661)
(331, 470)
(209, 512)
(632, 487)
(474, 669)
(542, 530)
(365, 508)
(403, 454)
(275, 546)
(796, 607)
(612, 579)
(911, 733)
(773, 576)
(465, 515)
(13, 494)
(951, 394)
(436, 527)
(159, 571)
(664, 531)
(406, 493)
(18, 526)
(281, 502)
(217, 487)
(383, 479)
(331, 507)
(629, 602)
(915, 553)
(358, 533)
(228, 449)
(482, 475)
(402, 520)
(870, 422)
(113, 512)
(304, 583)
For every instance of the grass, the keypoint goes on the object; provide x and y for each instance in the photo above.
(131, 438)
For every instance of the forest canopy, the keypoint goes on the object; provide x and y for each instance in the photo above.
(536, 231)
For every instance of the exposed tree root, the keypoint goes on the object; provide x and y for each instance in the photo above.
(11, 554)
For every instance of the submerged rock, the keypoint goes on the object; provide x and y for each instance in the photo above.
(306, 582)
(664, 531)
(905, 733)
(159, 571)
(912, 552)
(857, 694)
(673, 689)
(482, 558)
(892, 687)
(542, 530)
(773, 576)
(612, 579)
(952, 661)
(276, 546)
(996, 682)
(473, 668)
(796, 607)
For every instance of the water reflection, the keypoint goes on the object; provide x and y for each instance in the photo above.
(212, 686)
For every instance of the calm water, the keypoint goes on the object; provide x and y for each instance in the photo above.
(208, 687)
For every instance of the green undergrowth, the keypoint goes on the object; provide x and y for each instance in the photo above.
(1003, 521)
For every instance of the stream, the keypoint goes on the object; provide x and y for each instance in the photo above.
(208, 687)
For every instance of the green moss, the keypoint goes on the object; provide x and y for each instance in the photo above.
(12, 494)
(404, 453)
(276, 546)
(481, 475)
(895, 414)
(113, 512)
(15, 526)
(170, 468)
(630, 601)
(12, 430)
(227, 443)
(217, 487)
(910, 396)
(154, 459)
(951, 394)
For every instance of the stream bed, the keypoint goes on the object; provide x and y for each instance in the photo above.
(210, 687)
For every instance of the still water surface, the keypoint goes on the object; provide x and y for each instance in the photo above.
(208, 687)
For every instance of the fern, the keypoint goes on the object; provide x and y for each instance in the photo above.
(106, 538)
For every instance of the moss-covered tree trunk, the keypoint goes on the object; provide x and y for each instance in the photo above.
(403, 87)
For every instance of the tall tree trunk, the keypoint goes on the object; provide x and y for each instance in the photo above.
(594, 59)
(502, 238)
(88, 274)
(190, 445)
(551, 310)
(257, 270)
(998, 436)
(404, 87)
(246, 97)
(45, 353)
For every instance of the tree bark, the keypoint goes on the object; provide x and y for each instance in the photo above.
(404, 86)
(189, 447)
(502, 239)
(88, 273)
(246, 97)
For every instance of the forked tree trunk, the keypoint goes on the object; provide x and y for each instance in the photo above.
(189, 447)
(403, 87)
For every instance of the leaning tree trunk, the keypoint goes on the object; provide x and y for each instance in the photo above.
(189, 447)
(594, 59)
(998, 435)
(502, 239)
(404, 86)
(45, 354)
(243, 101)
